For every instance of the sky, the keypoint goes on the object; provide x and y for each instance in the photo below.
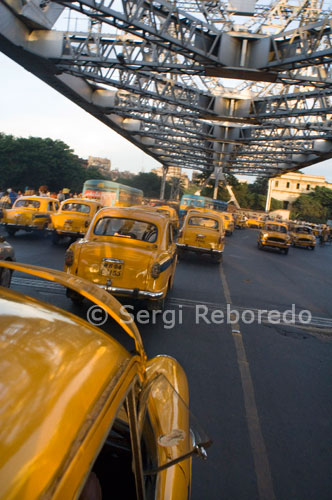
(29, 107)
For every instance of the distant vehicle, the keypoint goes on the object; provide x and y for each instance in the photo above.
(194, 201)
(6, 253)
(274, 235)
(73, 218)
(228, 223)
(302, 236)
(30, 213)
(203, 233)
(111, 194)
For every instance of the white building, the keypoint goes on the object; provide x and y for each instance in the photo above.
(288, 187)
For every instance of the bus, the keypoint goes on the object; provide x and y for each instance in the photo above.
(193, 200)
(111, 194)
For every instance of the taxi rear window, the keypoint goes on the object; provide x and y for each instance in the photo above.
(126, 228)
(203, 222)
(76, 207)
(27, 204)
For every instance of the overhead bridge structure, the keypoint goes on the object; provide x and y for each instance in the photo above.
(241, 85)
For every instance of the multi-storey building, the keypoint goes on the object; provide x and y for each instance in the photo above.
(288, 187)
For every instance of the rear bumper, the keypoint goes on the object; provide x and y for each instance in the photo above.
(25, 227)
(182, 246)
(132, 292)
(66, 233)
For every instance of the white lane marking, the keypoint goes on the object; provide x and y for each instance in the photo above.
(316, 321)
(261, 461)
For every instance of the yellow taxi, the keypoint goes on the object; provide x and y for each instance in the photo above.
(240, 222)
(73, 218)
(128, 251)
(202, 232)
(165, 210)
(81, 417)
(228, 223)
(30, 213)
(302, 236)
(255, 222)
(274, 235)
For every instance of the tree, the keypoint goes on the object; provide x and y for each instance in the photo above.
(307, 208)
(34, 161)
(149, 183)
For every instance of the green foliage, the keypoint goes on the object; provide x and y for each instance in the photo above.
(149, 183)
(35, 161)
(313, 207)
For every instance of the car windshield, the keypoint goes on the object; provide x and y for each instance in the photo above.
(76, 207)
(276, 227)
(203, 222)
(126, 228)
(27, 204)
(303, 229)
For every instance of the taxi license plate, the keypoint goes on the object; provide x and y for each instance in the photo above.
(111, 267)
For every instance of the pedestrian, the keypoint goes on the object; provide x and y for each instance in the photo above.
(12, 195)
(61, 196)
(5, 201)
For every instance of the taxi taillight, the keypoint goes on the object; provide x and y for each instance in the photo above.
(69, 257)
(155, 270)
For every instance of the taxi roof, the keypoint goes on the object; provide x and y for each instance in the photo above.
(80, 200)
(133, 213)
(54, 368)
(205, 212)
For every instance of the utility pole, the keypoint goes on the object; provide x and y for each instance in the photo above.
(163, 182)
(269, 196)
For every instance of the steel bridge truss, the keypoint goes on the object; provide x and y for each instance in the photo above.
(154, 71)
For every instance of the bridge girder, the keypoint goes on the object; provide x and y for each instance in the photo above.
(154, 83)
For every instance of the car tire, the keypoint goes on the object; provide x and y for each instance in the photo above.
(217, 259)
(11, 231)
(55, 238)
(312, 248)
(5, 277)
(286, 251)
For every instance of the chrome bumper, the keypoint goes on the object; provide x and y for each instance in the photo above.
(199, 249)
(132, 292)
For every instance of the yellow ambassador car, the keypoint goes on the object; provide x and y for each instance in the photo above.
(30, 213)
(274, 235)
(128, 251)
(80, 416)
(303, 236)
(73, 218)
(255, 222)
(228, 223)
(202, 232)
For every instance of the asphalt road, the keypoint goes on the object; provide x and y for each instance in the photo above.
(261, 391)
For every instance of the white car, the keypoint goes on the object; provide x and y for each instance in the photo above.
(6, 253)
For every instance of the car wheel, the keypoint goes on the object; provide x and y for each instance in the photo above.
(5, 277)
(286, 251)
(55, 238)
(11, 231)
(259, 245)
(312, 248)
(217, 258)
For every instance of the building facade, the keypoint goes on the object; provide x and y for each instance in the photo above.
(288, 187)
